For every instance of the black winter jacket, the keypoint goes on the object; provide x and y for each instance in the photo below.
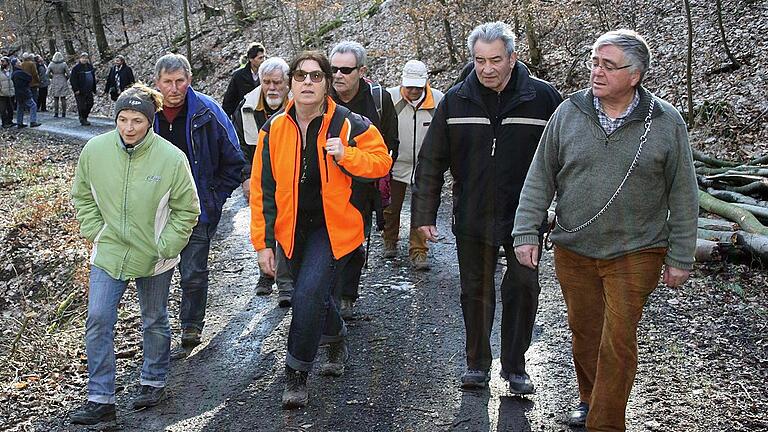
(78, 79)
(242, 83)
(126, 78)
(488, 156)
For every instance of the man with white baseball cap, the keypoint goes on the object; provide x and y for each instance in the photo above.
(415, 102)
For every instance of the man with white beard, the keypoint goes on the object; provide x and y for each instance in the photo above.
(254, 110)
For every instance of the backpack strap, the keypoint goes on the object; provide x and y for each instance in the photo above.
(376, 92)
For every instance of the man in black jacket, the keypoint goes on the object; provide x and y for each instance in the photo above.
(83, 81)
(244, 79)
(120, 78)
(486, 130)
(372, 101)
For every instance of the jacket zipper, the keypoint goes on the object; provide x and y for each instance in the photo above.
(493, 147)
(125, 209)
(413, 164)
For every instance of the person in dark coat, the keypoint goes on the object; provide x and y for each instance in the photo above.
(244, 79)
(83, 81)
(21, 83)
(120, 78)
(7, 93)
(45, 81)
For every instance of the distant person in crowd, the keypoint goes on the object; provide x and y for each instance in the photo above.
(120, 78)
(485, 131)
(58, 72)
(138, 222)
(244, 79)
(370, 100)
(301, 199)
(196, 124)
(21, 83)
(7, 92)
(45, 82)
(619, 161)
(415, 102)
(29, 66)
(254, 110)
(83, 80)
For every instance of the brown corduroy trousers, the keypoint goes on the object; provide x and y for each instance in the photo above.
(605, 300)
(418, 243)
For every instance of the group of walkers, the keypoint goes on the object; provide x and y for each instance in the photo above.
(319, 150)
(26, 82)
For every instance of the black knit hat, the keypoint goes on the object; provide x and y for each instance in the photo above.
(137, 101)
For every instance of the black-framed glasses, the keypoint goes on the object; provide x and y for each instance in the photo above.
(592, 65)
(346, 70)
(301, 76)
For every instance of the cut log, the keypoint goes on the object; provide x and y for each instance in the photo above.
(759, 161)
(755, 244)
(707, 250)
(756, 187)
(735, 197)
(745, 219)
(717, 224)
(717, 236)
(759, 211)
(742, 179)
(699, 156)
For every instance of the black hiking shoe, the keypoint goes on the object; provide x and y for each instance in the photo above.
(284, 299)
(578, 417)
(347, 309)
(295, 394)
(520, 384)
(35, 124)
(148, 397)
(190, 338)
(475, 379)
(338, 354)
(264, 285)
(92, 413)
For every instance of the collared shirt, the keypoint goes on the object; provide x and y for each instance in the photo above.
(609, 124)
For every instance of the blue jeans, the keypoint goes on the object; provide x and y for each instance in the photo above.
(193, 269)
(26, 103)
(104, 296)
(316, 318)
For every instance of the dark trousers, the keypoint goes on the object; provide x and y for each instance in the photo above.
(6, 109)
(84, 101)
(348, 284)
(519, 300)
(63, 105)
(42, 97)
(315, 315)
(193, 270)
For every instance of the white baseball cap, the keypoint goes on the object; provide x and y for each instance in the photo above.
(414, 74)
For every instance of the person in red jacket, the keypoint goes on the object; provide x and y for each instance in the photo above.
(306, 160)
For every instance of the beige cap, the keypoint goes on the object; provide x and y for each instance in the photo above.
(414, 74)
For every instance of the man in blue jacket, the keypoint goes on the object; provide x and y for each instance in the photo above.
(21, 83)
(197, 125)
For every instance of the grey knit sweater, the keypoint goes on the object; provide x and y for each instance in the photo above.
(658, 205)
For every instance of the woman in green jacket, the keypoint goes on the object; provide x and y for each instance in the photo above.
(136, 201)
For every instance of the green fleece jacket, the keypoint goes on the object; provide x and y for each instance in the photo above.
(137, 205)
(658, 205)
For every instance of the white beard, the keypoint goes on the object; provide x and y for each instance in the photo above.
(273, 102)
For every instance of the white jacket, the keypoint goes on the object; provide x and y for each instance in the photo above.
(412, 127)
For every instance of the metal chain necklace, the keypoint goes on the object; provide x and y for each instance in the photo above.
(643, 140)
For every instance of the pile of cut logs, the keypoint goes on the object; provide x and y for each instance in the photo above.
(737, 193)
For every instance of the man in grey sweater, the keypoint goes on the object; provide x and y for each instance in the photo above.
(619, 161)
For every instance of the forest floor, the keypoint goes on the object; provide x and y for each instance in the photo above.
(703, 347)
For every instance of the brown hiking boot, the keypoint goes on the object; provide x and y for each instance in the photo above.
(295, 394)
(338, 354)
(390, 250)
(419, 260)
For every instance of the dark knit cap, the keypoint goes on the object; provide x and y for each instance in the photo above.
(133, 100)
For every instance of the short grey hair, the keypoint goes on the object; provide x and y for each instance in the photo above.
(634, 47)
(491, 32)
(353, 47)
(27, 56)
(171, 63)
(273, 64)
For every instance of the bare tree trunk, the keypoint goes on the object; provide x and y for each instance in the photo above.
(239, 12)
(122, 22)
(734, 63)
(531, 36)
(66, 25)
(689, 66)
(187, 32)
(98, 29)
(447, 34)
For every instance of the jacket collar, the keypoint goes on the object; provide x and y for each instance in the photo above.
(428, 102)
(522, 89)
(330, 109)
(583, 99)
(141, 147)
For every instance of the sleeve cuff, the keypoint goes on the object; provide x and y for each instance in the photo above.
(678, 264)
(527, 239)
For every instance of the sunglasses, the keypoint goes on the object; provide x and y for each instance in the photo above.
(346, 70)
(314, 76)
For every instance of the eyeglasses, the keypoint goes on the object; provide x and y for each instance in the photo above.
(301, 76)
(346, 70)
(591, 65)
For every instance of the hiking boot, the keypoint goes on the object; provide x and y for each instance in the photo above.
(85, 123)
(475, 379)
(390, 250)
(55, 115)
(295, 394)
(35, 124)
(92, 413)
(520, 384)
(148, 397)
(347, 308)
(190, 337)
(419, 261)
(21, 125)
(264, 285)
(284, 299)
(578, 417)
(338, 354)
(180, 353)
